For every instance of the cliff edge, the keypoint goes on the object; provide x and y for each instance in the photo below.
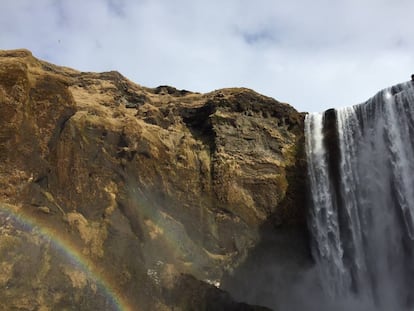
(114, 195)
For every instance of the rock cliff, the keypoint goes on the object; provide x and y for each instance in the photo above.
(115, 196)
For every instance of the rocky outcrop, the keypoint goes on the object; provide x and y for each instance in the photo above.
(141, 186)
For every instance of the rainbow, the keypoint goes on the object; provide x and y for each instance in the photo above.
(115, 300)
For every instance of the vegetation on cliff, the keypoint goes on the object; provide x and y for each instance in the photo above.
(112, 194)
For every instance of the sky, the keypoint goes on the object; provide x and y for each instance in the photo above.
(313, 55)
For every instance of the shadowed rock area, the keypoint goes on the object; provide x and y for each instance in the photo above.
(117, 196)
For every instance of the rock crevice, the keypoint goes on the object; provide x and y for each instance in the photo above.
(162, 182)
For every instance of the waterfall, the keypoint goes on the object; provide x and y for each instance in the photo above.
(361, 173)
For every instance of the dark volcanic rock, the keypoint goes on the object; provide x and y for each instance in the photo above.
(204, 297)
(178, 185)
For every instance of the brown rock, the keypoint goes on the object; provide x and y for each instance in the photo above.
(182, 180)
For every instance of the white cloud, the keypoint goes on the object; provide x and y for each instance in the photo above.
(312, 54)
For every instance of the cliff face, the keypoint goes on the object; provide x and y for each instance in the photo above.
(111, 192)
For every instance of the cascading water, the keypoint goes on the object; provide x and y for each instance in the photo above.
(361, 172)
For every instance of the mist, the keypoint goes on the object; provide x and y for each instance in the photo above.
(358, 251)
(361, 211)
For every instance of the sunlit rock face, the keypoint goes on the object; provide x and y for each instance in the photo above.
(111, 191)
